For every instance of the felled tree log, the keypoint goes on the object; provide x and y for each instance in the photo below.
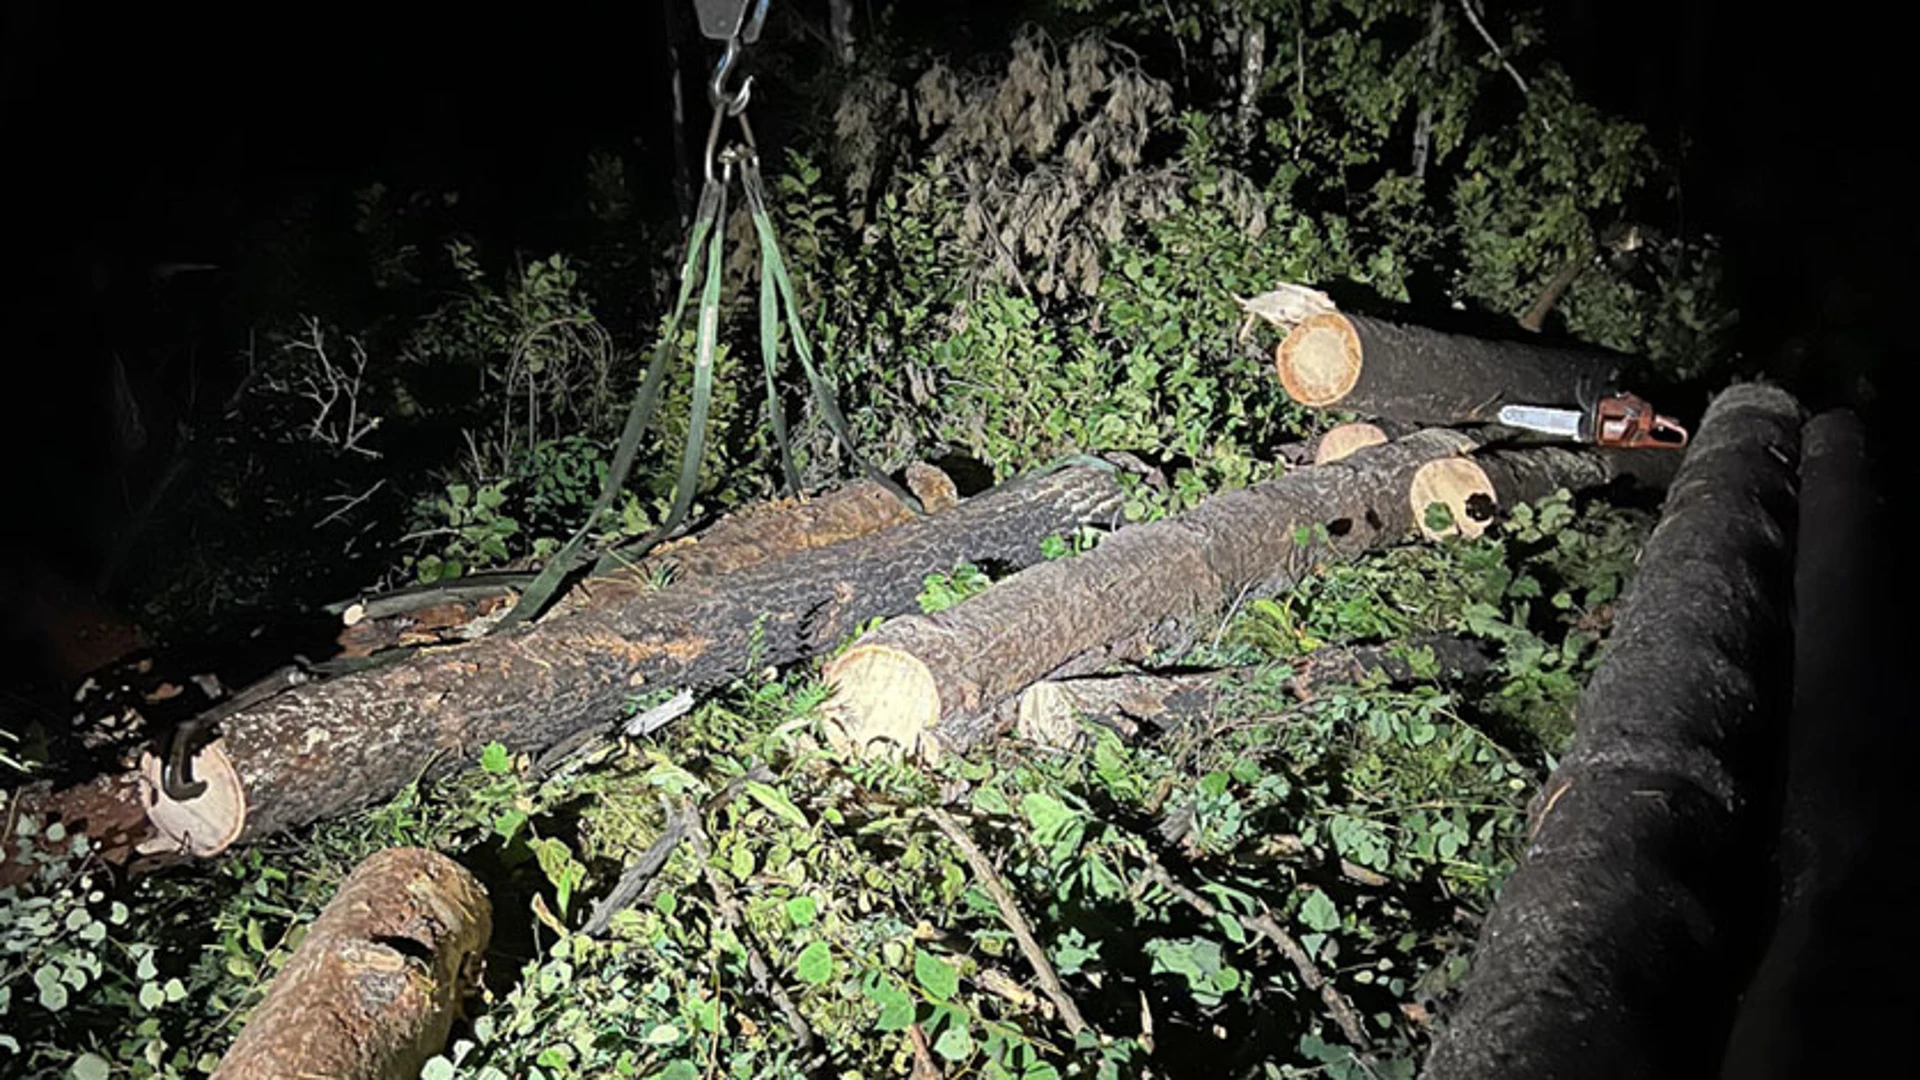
(373, 990)
(1382, 369)
(1344, 440)
(1828, 968)
(1617, 947)
(434, 614)
(328, 747)
(1472, 490)
(1049, 710)
(930, 684)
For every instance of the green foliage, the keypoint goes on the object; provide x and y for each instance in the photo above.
(942, 591)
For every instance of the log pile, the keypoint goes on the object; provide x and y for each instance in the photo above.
(331, 746)
(1617, 947)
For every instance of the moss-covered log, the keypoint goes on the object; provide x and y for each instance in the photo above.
(1617, 947)
(373, 990)
(927, 684)
(328, 747)
(1408, 373)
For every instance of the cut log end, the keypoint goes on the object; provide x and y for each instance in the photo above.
(205, 824)
(1047, 716)
(1460, 485)
(932, 486)
(1347, 439)
(1319, 362)
(884, 701)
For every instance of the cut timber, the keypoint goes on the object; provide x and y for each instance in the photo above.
(373, 990)
(1406, 373)
(328, 747)
(1344, 439)
(935, 683)
(1618, 946)
(1050, 711)
(747, 537)
(1475, 490)
(1845, 839)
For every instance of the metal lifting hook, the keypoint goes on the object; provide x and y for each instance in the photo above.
(729, 21)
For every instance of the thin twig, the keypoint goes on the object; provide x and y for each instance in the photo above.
(633, 881)
(349, 503)
(1474, 18)
(1010, 913)
(924, 1067)
(1337, 1004)
(729, 905)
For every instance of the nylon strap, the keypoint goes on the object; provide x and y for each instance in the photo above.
(776, 295)
(541, 590)
(773, 269)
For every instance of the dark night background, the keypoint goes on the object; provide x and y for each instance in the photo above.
(140, 134)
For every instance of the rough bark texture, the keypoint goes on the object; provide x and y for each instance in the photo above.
(1828, 968)
(930, 684)
(1050, 710)
(1407, 373)
(373, 991)
(1617, 947)
(329, 747)
(745, 538)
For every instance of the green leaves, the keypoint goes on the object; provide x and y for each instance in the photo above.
(814, 965)
(1318, 912)
(937, 977)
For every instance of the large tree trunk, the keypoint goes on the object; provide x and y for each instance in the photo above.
(932, 684)
(373, 990)
(1415, 375)
(329, 747)
(1828, 968)
(1617, 947)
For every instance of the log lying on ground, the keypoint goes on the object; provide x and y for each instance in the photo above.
(1474, 489)
(1617, 947)
(373, 990)
(1407, 373)
(1345, 440)
(1828, 968)
(747, 537)
(1050, 710)
(931, 684)
(329, 747)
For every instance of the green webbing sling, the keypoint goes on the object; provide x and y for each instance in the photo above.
(776, 293)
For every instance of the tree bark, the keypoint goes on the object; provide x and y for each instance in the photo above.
(1617, 947)
(1828, 968)
(840, 27)
(373, 990)
(1050, 710)
(748, 537)
(1411, 374)
(928, 685)
(329, 747)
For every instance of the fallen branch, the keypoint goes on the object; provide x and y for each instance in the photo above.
(730, 916)
(1618, 946)
(1015, 919)
(373, 990)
